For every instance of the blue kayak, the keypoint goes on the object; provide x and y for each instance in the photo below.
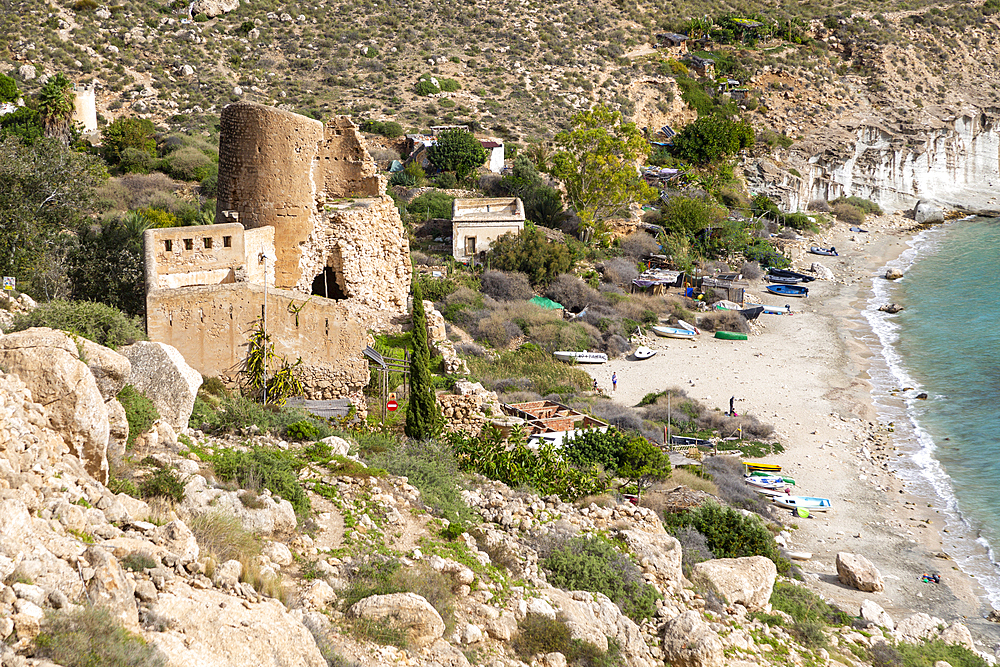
(788, 290)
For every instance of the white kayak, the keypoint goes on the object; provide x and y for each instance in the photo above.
(673, 332)
(581, 357)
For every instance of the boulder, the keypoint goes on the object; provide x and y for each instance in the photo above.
(873, 613)
(110, 588)
(228, 574)
(48, 362)
(925, 213)
(278, 553)
(338, 446)
(160, 372)
(110, 369)
(593, 618)
(856, 571)
(689, 642)
(662, 553)
(405, 611)
(958, 633)
(918, 627)
(212, 629)
(821, 271)
(747, 581)
(213, 8)
(891, 308)
(893, 274)
(27, 72)
(178, 539)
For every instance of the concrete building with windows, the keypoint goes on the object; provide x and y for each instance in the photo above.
(476, 223)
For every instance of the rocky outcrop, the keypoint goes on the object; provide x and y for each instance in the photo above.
(109, 587)
(821, 271)
(689, 642)
(160, 372)
(874, 613)
(260, 513)
(213, 629)
(893, 274)
(49, 363)
(213, 8)
(858, 572)
(408, 612)
(746, 581)
(437, 337)
(926, 213)
(921, 626)
(659, 552)
(593, 618)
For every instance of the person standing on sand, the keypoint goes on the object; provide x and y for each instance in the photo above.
(614, 382)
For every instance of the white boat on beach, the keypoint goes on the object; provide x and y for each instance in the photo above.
(643, 352)
(805, 502)
(581, 357)
(673, 332)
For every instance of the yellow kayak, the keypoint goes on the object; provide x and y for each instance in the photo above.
(765, 467)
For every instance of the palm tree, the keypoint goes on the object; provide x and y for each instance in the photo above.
(55, 105)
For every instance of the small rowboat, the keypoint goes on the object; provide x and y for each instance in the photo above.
(782, 280)
(689, 327)
(581, 357)
(829, 252)
(673, 332)
(766, 482)
(752, 313)
(804, 502)
(763, 467)
(788, 290)
(761, 473)
(774, 310)
(643, 352)
(730, 335)
(788, 273)
(770, 493)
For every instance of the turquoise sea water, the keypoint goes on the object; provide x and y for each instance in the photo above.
(947, 343)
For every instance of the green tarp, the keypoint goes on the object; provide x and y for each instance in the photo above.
(547, 304)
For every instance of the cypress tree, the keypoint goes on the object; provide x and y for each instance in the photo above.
(422, 416)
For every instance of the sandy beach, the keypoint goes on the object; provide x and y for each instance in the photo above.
(806, 374)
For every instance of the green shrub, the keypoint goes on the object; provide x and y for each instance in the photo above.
(539, 634)
(594, 564)
(8, 89)
(433, 469)
(139, 561)
(91, 636)
(431, 204)
(188, 164)
(927, 653)
(426, 87)
(94, 321)
(728, 533)
(866, 206)
(449, 85)
(268, 467)
(139, 410)
(163, 483)
(302, 430)
(515, 464)
(712, 138)
(446, 180)
(848, 213)
(389, 128)
(203, 416)
(539, 370)
(530, 253)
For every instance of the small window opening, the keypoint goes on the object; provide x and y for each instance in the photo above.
(328, 284)
(189, 244)
(227, 241)
(470, 245)
(168, 245)
(207, 241)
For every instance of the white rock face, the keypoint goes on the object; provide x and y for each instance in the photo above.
(48, 362)
(213, 8)
(592, 617)
(160, 372)
(274, 516)
(26, 72)
(211, 629)
(663, 553)
(747, 581)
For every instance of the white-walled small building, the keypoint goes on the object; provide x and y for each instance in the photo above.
(476, 223)
(494, 147)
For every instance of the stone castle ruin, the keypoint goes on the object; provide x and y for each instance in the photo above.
(302, 220)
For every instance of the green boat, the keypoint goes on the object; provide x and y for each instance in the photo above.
(730, 335)
(761, 473)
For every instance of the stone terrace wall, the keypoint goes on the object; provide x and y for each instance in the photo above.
(266, 176)
(210, 325)
(346, 167)
(200, 255)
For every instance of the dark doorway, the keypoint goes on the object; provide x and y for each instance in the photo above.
(327, 284)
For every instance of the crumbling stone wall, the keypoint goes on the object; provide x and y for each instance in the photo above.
(347, 168)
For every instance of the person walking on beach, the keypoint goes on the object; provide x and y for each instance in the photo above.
(614, 382)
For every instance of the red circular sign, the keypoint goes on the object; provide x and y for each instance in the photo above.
(391, 405)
